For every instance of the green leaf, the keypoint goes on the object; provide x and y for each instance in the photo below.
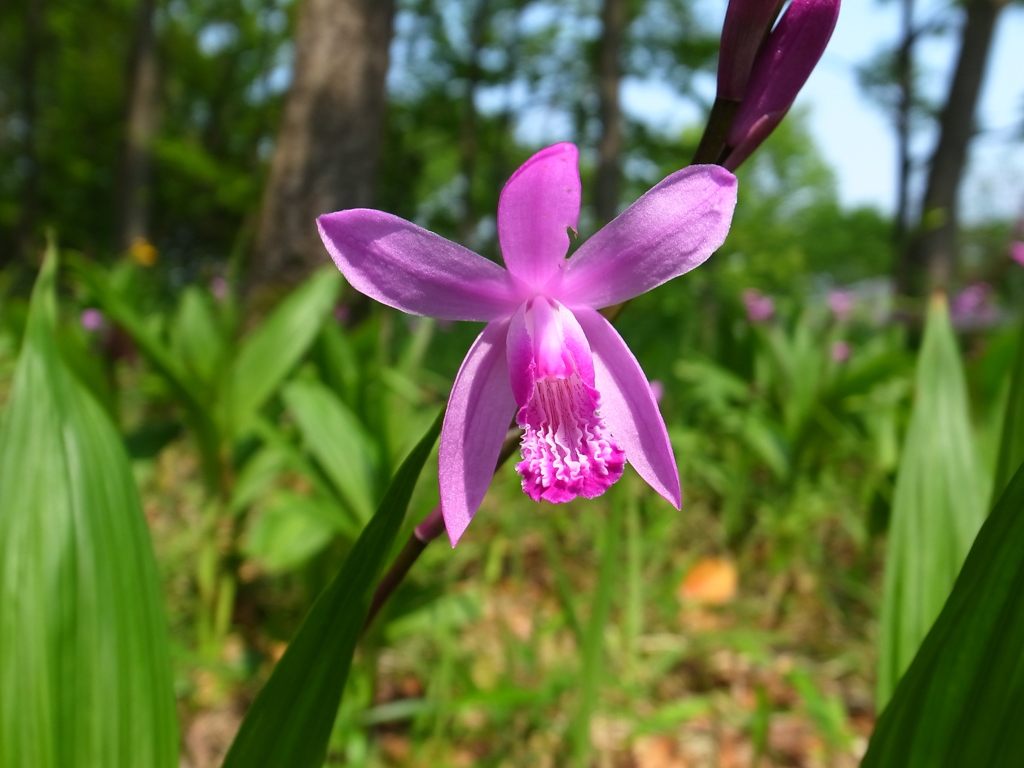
(197, 338)
(85, 676)
(938, 503)
(960, 701)
(289, 723)
(185, 386)
(337, 440)
(269, 354)
(1011, 449)
(288, 530)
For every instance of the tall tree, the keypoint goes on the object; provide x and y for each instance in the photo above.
(467, 134)
(29, 212)
(140, 127)
(326, 154)
(930, 258)
(609, 148)
(905, 81)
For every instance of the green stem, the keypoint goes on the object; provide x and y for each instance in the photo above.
(716, 131)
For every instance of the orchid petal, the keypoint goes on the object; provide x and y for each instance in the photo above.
(538, 204)
(545, 339)
(629, 407)
(480, 410)
(408, 268)
(673, 228)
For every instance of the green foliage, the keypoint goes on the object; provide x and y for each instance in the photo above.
(938, 506)
(789, 225)
(290, 721)
(959, 702)
(339, 443)
(270, 352)
(85, 676)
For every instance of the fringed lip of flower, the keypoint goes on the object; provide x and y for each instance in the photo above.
(546, 356)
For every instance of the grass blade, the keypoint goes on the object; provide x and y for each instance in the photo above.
(85, 675)
(593, 666)
(289, 723)
(938, 504)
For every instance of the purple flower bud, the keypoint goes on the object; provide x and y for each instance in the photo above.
(841, 304)
(759, 307)
(780, 70)
(746, 24)
(92, 319)
(657, 389)
(840, 351)
(1017, 252)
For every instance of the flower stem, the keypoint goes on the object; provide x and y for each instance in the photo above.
(716, 131)
(424, 533)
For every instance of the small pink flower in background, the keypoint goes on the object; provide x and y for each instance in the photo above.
(658, 390)
(841, 351)
(760, 308)
(92, 319)
(546, 355)
(841, 304)
(973, 306)
(342, 314)
(780, 70)
(219, 288)
(1017, 252)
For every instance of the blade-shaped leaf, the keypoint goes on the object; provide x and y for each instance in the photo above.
(938, 504)
(290, 721)
(960, 702)
(1011, 448)
(335, 437)
(85, 675)
(268, 355)
(197, 338)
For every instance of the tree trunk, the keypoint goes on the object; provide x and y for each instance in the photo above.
(930, 259)
(329, 139)
(609, 148)
(467, 138)
(29, 213)
(141, 121)
(904, 109)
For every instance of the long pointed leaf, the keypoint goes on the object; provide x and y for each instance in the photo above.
(960, 702)
(334, 435)
(938, 504)
(85, 676)
(289, 723)
(1011, 448)
(267, 356)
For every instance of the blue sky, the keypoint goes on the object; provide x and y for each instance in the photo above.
(858, 142)
(853, 133)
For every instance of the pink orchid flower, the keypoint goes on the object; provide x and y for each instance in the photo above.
(546, 355)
